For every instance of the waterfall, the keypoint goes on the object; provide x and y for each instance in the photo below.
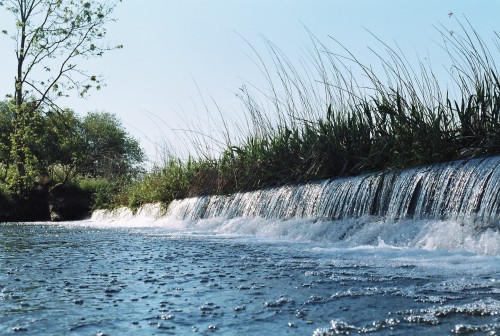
(462, 191)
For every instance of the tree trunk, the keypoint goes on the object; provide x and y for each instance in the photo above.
(19, 117)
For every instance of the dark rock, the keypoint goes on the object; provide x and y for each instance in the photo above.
(55, 216)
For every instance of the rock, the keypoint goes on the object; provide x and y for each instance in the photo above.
(55, 216)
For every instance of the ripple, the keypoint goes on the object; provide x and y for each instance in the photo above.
(279, 302)
(145, 281)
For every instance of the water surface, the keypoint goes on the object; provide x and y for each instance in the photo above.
(81, 279)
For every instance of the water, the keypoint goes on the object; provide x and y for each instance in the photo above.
(409, 253)
(82, 280)
(464, 191)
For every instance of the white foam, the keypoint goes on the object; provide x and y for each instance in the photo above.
(148, 215)
(451, 235)
(393, 209)
(465, 191)
(352, 233)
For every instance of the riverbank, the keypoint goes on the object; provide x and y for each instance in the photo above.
(342, 118)
(47, 203)
(350, 121)
(462, 195)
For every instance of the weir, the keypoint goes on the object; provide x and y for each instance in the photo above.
(462, 191)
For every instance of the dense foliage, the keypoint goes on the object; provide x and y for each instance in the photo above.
(51, 40)
(66, 145)
(41, 145)
(93, 155)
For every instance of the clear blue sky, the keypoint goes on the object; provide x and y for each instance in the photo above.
(174, 47)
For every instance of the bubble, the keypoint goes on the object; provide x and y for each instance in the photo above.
(279, 302)
(19, 328)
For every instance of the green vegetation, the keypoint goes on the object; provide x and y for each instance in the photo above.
(80, 164)
(45, 150)
(50, 37)
(338, 125)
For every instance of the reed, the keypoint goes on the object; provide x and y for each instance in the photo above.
(326, 121)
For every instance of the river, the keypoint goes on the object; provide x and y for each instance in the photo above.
(411, 253)
(83, 279)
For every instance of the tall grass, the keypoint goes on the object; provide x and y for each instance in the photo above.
(335, 116)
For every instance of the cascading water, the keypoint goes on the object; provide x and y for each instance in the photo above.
(451, 206)
(460, 191)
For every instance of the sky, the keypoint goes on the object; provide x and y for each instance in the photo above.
(184, 57)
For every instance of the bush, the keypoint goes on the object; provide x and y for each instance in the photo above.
(102, 192)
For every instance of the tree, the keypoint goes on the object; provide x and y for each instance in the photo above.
(64, 145)
(56, 139)
(67, 146)
(6, 118)
(109, 151)
(52, 37)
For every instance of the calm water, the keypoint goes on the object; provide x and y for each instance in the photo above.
(85, 280)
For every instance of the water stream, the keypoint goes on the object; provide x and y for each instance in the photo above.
(464, 191)
(415, 252)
